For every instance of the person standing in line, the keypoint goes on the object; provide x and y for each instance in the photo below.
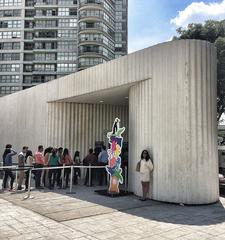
(102, 161)
(8, 172)
(28, 163)
(21, 164)
(146, 167)
(53, 162)
(76, 162)
(90, 159)
(60, 164)
(68, 162)
(39, 163)
(44, 176)
(8, 146)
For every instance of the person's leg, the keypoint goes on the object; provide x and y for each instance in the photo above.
(20, 180)
(46, 177)
(5, 178)
(12, 179)
(147, 188)
(58, 177)
(86, 177)
(67, 176)
(145, 192)
(27, 179)
(50, 178)
(100, 176)
(76, 174)
(143, 189)
(38, 178)
(54, 177)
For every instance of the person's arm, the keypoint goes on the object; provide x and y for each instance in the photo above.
(99, 157)
(71, 160)
(13, 152)
(150, 165)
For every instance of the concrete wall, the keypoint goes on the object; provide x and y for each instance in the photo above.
(172, 111)
(78, 126)
(174, 116)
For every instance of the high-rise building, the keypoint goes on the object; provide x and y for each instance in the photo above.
(41, 40)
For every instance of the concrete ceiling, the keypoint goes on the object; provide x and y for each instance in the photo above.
(114, 96)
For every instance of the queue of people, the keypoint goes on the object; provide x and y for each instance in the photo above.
(53, 157)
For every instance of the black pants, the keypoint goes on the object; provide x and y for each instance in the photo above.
(8, 173)
(102, 175)
(76, 175)
(52, 175)
(67, 175)
(59, 172)
(27, 178)
(38, 175)
(87, 176)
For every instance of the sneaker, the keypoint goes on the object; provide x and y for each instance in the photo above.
(142, 199)
(11, 190)
(19, 188)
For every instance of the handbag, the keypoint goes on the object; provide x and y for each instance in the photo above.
(138, 166)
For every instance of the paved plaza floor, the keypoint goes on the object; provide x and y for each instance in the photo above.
(87, 215)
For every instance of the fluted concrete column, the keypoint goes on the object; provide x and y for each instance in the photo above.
(173, 114)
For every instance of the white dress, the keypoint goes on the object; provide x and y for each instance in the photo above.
(145, 170)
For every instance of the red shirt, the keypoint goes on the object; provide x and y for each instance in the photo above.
(39, 159)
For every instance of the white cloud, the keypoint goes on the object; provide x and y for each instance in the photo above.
(198, 12)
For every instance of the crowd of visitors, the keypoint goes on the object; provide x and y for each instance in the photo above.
(53, 157)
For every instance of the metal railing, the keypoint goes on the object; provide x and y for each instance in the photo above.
(31, 169)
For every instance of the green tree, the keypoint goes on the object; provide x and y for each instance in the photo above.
(214, 32)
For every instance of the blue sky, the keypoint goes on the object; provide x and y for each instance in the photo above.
(150, 21)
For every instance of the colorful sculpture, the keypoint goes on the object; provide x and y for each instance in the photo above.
(114, 160)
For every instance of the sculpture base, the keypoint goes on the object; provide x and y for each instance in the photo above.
(105, 192)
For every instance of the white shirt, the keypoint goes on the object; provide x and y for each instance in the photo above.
(146, 166)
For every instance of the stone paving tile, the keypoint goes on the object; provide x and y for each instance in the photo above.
(87, 216)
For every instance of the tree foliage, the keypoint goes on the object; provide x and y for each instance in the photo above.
(214, 32)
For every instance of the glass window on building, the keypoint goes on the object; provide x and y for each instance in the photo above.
(68, 22)
(10, 3)
(66, 67)
(28, 57)
(10, 13)
(66, 56)
(63, 11)
(9, 56)
(9, 67)
(28, 67)
(66, 33)
(13, 34)
(8, 89)
(28, 35)
(44, 67)
(67, 45)
(9, 78)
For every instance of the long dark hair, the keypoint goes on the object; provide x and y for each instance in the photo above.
(48, 150)
(147, 158)
(29, 153)
(76, 154)
(65, 152)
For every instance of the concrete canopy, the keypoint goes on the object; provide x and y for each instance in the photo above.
(172, 112)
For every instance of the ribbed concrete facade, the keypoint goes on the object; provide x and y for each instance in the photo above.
(78, 126)
(172, 112)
